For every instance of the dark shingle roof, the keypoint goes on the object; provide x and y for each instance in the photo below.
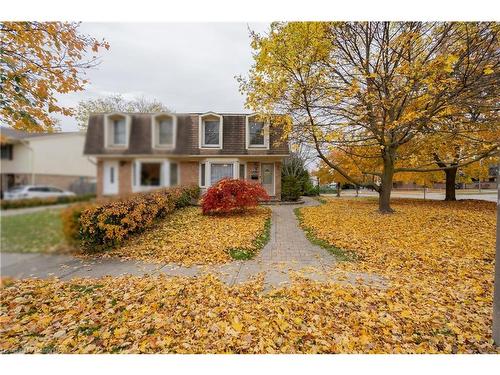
(187, 137)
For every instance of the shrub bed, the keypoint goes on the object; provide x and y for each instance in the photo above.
(34, 202)
(70, 218)
(107, 225)
(230, 195)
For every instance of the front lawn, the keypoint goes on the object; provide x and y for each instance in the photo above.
(438, 258)
(187, 237)
(34, 232)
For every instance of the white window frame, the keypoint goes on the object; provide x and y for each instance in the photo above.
(108, 122)
(265, 146)
(203, 183)
(164, 174)
(155, 131)
(170, 162)
(201, 127)
(208, 170)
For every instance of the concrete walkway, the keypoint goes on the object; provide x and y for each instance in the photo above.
(287, 252)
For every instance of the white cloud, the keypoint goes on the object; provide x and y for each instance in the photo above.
(187, 66)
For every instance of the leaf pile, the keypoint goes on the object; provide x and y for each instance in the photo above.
(438, 258)
(151, 314)
(187, 237)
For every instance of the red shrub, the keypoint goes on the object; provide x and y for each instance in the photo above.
(228, 195)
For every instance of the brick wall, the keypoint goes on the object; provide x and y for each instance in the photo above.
(189, 172)
(125, 177)
(100, 176)
(253, 168)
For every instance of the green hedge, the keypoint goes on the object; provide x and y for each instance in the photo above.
(291, 188)
(34, 202)
(103, 226)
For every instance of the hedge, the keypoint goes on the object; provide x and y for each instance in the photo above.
(291, 188)
(34, 202)
(102, 226)
(70, 218)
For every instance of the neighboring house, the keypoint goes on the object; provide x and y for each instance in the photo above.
(45, 159)
(139, 152)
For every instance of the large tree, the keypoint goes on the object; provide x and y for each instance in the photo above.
(39, 60)
(372, 90)
(116, 103)
(462, 142)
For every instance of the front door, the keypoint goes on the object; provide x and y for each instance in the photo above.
(268, 177)
(110, 178)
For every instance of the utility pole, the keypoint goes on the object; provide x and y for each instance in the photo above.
(496, 292)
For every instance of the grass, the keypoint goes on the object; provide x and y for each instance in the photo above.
(258, 243)
(340, 255)
(31, 233)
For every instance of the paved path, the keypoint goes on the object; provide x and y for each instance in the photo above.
(287, 252)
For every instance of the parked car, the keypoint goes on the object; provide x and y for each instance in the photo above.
(35, 191)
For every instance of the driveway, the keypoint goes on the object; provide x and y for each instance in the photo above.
(288, 253)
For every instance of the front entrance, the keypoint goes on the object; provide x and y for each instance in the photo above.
(268, 178)
(110, 178)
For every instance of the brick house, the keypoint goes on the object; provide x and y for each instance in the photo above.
(139, 152)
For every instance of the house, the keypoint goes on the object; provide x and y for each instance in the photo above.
(139, 152)
(54, 159)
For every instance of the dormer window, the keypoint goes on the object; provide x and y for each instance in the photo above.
(164, 128)
(210, 131)
(257, 133)
(117, 130)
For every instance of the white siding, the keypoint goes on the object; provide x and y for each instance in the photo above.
(60, 154)
(20, 163)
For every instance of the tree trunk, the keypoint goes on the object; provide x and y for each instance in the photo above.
(451, 175)
(338, 189)
(384, 198)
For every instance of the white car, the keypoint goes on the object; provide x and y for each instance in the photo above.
(35, 191)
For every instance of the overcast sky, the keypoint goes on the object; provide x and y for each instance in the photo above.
(190, 67)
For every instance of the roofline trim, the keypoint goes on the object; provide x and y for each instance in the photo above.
(184, 155)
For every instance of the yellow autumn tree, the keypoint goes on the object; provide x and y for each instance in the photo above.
(373, 90)
(351, 164)
(38, 61)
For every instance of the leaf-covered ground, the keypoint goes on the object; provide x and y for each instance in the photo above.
(437, 258)
(187, 237)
